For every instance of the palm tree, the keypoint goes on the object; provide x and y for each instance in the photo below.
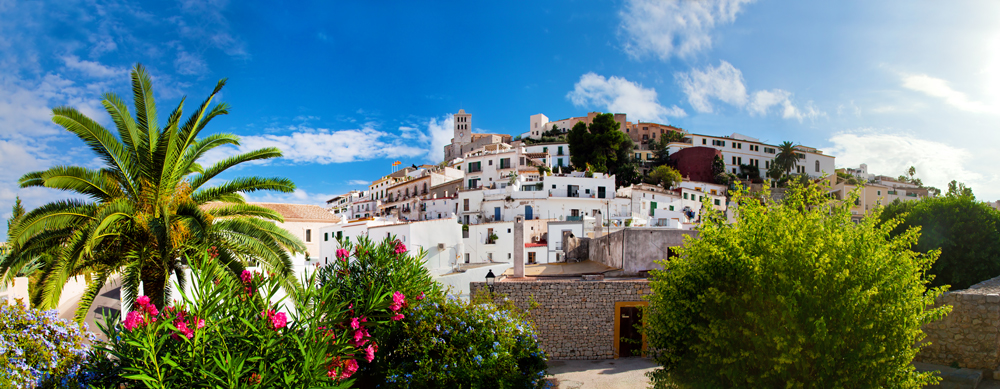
(786, 160)
(149, 206)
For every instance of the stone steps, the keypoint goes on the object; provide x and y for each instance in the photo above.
(952, 378)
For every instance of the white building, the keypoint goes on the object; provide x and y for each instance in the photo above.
(552, 154)
(343, 205)
(675, 208)
(560, 197)
(406, 198)
(740, 149)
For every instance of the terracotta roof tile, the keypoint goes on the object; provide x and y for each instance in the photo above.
(291, 212)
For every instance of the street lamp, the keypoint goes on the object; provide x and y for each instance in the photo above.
(490, 278)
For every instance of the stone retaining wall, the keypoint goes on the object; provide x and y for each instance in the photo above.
(970, 334)
(575, 318)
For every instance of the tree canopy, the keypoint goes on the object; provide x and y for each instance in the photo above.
(603, 147)
(966, 232)
(666, 176)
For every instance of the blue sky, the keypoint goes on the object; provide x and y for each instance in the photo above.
(345, 89)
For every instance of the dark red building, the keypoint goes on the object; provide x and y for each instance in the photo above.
(695, 163)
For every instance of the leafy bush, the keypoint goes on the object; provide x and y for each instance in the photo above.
(965, 231)
(409, 356)
(37, 349)
(792, 294)
(454, 344)
(231, 332)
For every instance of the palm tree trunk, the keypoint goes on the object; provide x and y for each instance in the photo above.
(154, 281)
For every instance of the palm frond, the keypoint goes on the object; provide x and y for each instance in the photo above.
(221, 166)
(99, 139)
(55, 215)
(97, 184)
(145, 109)
(243, 185)
(231, 210)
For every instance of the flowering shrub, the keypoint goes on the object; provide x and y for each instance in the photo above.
(231, 331)
(37, 349)
(452, 343)
(407, 352)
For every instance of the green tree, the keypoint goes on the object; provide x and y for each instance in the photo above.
(791, 294)
(964, 230)
(601, 145)
(666, 176)
(661, 155)
(17, 211)
(786, 160)
(912, 171)
(149, 205)
(958, 189)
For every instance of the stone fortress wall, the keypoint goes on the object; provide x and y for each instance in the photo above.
(575, 318)
(970, 334)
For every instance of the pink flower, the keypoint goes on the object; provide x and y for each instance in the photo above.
(358, 336)
(398, 317)
(279, 320)
(343, 254)
(350, 366)
(151, 309)
(400, 247)
(201, 324)
(142, 301)
(394, 307)
(246, 276)
(421, 296)
(398, 298)
(355, 323)
(132, 320)
(370, 353)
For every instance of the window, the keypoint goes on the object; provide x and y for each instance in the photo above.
(508, 230)
(340, 234)
(800, 155)
(817, 166)
(638, 155)
(553, 186)
(465, 203)
(671, 207)
(878, 192)
(685, 196)
(717, 202)
(734, 160)
(649, 156)
(739, 146)
(309, 235)
(704, 141)
(716, 142)
(560, 160)
(505, 163)
(545, 149)
(490, 163)
(587, 191)
(475, 167)
(560, 150)
(769, 150)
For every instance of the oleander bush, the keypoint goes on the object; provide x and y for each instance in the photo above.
(438, 341)
(40, 350)
(233, 331)
(792, 294)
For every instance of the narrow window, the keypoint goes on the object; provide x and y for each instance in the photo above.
(309, 234)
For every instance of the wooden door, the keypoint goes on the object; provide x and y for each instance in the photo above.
(629, 337)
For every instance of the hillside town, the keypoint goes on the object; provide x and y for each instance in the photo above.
(638, 194)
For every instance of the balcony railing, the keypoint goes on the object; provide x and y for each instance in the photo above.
(574, 218)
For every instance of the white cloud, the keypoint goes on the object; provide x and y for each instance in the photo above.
(937, 87)
(891, 154)
(440, 132)
(308, 145)
(93, 69)
(762, 102)
(665, 28)
(723, 83)
(616, 94)
(298, 196)
(189, 64)
(358, 183)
